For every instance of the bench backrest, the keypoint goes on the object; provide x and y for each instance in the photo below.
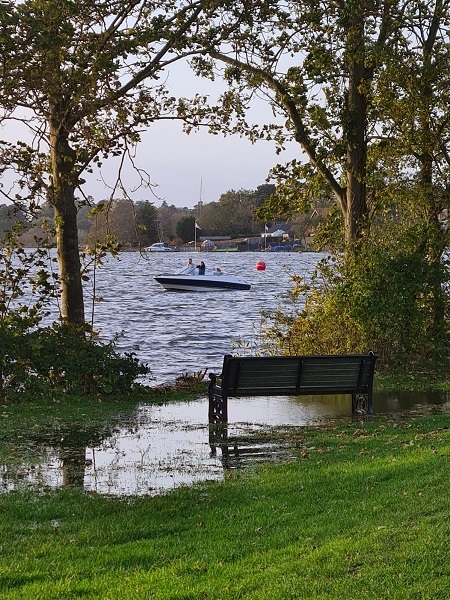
(297, 375)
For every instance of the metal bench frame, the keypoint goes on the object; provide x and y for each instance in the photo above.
(292, 376)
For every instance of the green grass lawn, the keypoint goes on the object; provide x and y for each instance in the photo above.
(362, 512)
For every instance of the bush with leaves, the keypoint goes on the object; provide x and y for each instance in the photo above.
(58, 358)
(26, 291)
(381, 299)
(38, 360)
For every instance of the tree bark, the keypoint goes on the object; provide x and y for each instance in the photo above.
(436, 236)
(62, 197)
(356, 161)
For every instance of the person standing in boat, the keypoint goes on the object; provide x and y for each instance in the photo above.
(201, 268)
(190, 267)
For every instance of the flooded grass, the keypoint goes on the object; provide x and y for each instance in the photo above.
(359, 512)
(118, 448)
(129, 447)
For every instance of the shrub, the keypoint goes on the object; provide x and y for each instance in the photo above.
(39, 360)
(379, 300)
(59, 358)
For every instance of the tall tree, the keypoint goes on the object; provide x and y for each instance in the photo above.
(235, 212)
(166, 228)
(118, 219)
(83, 76)
(9, 216)
(315, 62)
(414, 153)
(147, 222)
(185, 228)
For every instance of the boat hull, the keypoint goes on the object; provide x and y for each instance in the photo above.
(201, 283)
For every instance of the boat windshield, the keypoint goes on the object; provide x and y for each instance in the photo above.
(193, 271)
(187, 271)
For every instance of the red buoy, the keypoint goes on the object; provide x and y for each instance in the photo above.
(260, 265)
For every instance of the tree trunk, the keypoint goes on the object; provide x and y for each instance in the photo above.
(356, 163)
(435, 234)
(62, 198)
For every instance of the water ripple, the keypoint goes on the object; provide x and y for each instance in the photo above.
(179, 332)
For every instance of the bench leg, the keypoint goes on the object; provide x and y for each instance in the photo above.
(218, 409)
(362, 404)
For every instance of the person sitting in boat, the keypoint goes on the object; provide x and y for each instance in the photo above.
(201, 268)
(190, 269)
(218, 271)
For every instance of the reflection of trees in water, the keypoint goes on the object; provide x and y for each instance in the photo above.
(63, 453)
(68, 445)
(71, 448)
(73, 466)
(397, 401)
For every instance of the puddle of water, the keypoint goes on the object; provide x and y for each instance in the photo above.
(164, 447)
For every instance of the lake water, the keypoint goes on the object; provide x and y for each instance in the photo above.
(159, 448)
(184, 332)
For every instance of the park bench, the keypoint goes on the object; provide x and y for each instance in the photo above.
(292, 376)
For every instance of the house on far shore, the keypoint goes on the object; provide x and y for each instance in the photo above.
(299, 233)
(277, 237)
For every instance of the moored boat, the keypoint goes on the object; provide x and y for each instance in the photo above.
(159, 247)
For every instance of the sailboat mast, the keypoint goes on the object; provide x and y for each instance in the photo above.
(199, 207)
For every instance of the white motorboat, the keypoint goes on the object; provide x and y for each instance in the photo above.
(189, 280)
(159, 247)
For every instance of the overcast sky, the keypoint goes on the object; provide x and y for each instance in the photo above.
(183, 166)
(180, 164)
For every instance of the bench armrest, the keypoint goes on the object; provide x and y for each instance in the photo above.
(216, 380)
